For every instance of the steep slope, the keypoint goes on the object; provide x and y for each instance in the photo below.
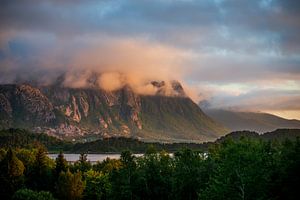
(177, 116)
(259, 122)
(24, 106)
(95, 113)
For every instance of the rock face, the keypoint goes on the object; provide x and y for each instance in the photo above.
(25, 106)
(71, 113)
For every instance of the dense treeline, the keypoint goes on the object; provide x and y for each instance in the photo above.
(20, 138)
(277, 135)
(24, 139)
(247, 168)
(134, 145)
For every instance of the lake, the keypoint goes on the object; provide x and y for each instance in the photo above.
(93, 158)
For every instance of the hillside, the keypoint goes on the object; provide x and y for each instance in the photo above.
(18, 138)
(278, 135)
(94, 113)
(259, 122)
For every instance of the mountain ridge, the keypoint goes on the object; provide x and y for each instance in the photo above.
(93, 112)
(253, 121)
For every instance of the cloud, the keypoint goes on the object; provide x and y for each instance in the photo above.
(112, 81)
(140, 58)
(205, 44)
(114, 61)
(258, 99)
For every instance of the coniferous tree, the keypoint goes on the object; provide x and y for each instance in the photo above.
(123, 179)
(98, 185)
(11, 174)
(61, 164)
(189, 174)
(70, 186)
(82, 164)
(154, 176)
(40, 176)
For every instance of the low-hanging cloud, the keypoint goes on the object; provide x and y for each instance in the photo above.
(201, 43)
(124, 62)
(115, 62)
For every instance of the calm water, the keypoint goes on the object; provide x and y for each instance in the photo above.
(93, 158)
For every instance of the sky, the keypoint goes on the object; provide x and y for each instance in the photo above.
(230, 54)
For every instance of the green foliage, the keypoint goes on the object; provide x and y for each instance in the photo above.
(242, 170)
(154, 174)
(11, 174)
(98, 185)
(15, 167)
(27, 156)
(234, 168)
(20, 138)
(286, 182)
(190, 174)
(151, 149)
(61, 164)
(70, 186)
(107, 165)
(176, 118)
(27, 194)
(123, 184)
(82, 164)
(17, 138)
(134, 145)
(40, 175)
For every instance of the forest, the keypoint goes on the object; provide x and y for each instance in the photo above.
(245, 168)
(21, 138)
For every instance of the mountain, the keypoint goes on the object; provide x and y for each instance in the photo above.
(259, 122)
(92, 112)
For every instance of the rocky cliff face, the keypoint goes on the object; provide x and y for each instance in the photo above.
(25, 106)
(70, 113)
